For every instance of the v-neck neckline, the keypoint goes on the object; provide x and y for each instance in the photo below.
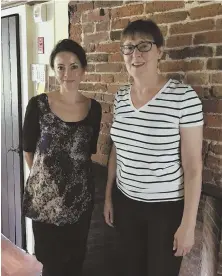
(151, 100)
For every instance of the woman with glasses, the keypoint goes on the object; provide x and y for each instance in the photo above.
(155, 165)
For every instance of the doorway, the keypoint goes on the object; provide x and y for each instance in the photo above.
(12, 175)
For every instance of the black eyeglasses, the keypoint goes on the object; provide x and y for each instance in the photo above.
(144, 46)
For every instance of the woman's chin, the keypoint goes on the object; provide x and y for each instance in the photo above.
(137, 73)
(70, 85)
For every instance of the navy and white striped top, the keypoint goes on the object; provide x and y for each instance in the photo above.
(147, 141)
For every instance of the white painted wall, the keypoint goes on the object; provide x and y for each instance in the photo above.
(54, 29)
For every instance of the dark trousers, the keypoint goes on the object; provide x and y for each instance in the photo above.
(61, 249)
(147, 233)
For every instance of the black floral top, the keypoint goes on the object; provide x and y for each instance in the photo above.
(60, 186)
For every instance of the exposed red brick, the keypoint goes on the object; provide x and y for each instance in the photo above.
(169, 17)
(105, 107)
(98, 87)
(104, 149)
(100, 158)
(219, 50)
(89, 94)
(216, 77)
(88, 28)
(206, 11)
(108, 97)
(127, 10)
(117, 57)
(181, 65)
(119, 23)
(138, 17)
(179, 40)
(104, 139)
(94, 16)
(202, 91)
(95, 57)
(217, 91)
(76, 32)
(97, 37)
(92, 77)
(213, 161)
(112, 47)
(90, 47)
(161, 6)
(98, 97)
(212, 120)
(197, 78)
(91, 67)
(105, 128)
(81, 7)
(107, 117)
(112, 67)
(219, 23)
(164, 29)
(208, 37)
(103, 4)
(190, 52)
(113, 88)
(205, 147)
(214, 134)
(103, 26)
(107, 78)
(212, 106)
(115, 35)
(192, 27)
(216, 148)
(121, 78)
(214, 64)
(76, 18)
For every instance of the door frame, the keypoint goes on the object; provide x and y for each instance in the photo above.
(24, 13)
(16, 16)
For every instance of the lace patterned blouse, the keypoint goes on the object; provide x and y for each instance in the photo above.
(60, 187)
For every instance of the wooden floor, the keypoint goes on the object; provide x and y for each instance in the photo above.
(15, 262)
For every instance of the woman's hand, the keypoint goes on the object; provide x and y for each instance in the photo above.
(183, 240)
(108, 211)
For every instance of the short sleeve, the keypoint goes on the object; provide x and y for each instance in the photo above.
(191, 109)
(97, 115)
(31, 128)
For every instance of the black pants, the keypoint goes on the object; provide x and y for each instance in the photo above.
(61, 249)
(147, 232)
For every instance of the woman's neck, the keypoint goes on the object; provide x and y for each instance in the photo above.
(70, 96)
(147, 83)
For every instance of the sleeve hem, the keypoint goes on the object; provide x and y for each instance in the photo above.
(192, 125)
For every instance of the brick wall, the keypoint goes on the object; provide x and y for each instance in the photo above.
(193, 54)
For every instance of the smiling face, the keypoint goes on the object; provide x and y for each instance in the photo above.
(142, 60)
(68, 70)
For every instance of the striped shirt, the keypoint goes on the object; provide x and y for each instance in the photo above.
(147, 141)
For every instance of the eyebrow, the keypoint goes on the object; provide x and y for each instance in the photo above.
(70, 64)
(130, 43)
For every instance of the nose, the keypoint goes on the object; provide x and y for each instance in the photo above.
(136, 52)
(67, 73)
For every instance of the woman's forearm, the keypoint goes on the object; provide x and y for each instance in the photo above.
(29, 158)
(111, 172)
(192, 186)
